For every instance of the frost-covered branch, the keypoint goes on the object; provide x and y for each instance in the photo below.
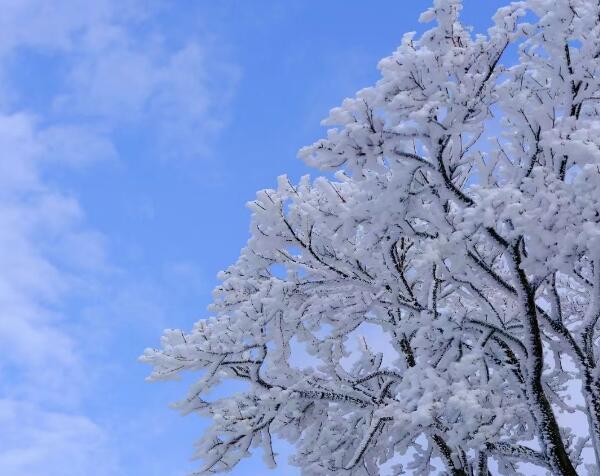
(437, 302)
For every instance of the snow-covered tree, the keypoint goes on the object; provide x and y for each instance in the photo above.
(434, 308)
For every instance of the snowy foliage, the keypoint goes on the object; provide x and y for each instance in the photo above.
(435, 307)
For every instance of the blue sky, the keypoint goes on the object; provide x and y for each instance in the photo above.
(133, 132)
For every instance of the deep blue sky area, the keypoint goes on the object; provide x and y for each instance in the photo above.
(134, 133)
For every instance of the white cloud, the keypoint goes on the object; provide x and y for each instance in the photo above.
(119, 68)
(35, 222)
(180, 95)
(48, 25)
(116, 71)
(36, 442)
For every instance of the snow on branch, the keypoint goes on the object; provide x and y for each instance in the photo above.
(437, 303)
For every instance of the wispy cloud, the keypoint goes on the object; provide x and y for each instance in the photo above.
(77, 77)
(113, 65)
(37, 442)
(128, 81)
(41, 370)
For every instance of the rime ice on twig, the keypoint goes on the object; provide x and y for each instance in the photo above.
(460, 242)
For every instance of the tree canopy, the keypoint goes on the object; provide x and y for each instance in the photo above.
(434, 307)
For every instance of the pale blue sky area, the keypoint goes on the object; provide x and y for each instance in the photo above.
(132, 134)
